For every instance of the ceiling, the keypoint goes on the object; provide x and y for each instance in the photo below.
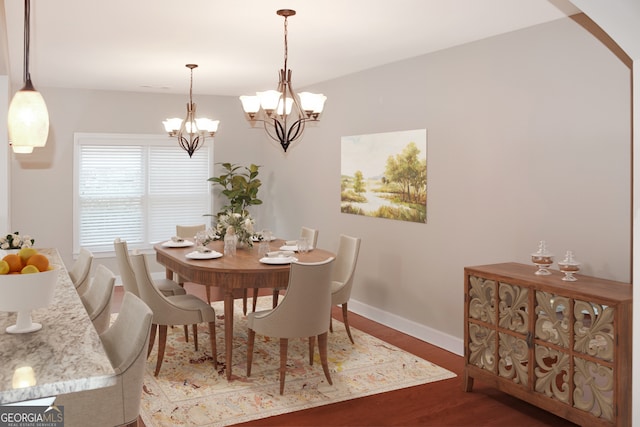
(143, 45)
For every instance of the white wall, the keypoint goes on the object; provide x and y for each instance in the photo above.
(528, 139)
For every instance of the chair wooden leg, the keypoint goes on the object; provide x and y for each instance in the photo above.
(284, 345)
(251, 336)
(195, 335)
(330, 323)
(162, 342)
(312, 345)
(276, 295)
(346, 321)
(322, 346)
(255, 298)
(186, 333)
(152, 338)
(133, 423)
(212, 338)
(208, 294)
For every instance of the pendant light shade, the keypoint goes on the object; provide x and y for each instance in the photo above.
(28, 119)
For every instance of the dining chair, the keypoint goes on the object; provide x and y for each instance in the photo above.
(167, 286)
(342, 277)
(125, 343)
(311, 234)
(302, 313)
(97, 299)
(178, 310)
(80, 270)
(189, 231)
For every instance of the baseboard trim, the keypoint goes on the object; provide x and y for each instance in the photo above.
(432, 336)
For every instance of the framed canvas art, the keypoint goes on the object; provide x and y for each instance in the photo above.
(384, 175)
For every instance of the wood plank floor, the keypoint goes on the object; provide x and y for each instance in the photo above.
(442, 403)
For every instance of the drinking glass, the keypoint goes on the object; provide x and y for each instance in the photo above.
(263, 249)
(303, 245)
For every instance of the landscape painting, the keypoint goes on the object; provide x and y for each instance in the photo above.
(384, 175)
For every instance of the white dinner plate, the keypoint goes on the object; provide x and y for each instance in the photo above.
(293, 248)
(203, 255)
(172, 244)
(278, 260)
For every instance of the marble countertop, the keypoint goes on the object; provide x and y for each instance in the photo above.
(66, 355)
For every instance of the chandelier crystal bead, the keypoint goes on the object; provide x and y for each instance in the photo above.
(282, 112)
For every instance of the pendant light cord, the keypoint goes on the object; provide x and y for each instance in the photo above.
(27, 16)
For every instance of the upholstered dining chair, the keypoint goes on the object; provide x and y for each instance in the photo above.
(189, 231)
(302, 313)
(178, 310)
(342, 277)
(167, 286)
(97, 299)
(311, 234)
(81, 269)
(125, 343)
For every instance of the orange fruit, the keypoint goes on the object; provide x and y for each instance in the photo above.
(40, 261)
(14, 261)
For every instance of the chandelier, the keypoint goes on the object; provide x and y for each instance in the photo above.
(28, 118)
(191, 132)
(283, 112)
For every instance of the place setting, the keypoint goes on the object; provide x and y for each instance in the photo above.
(278, 257)
(177, 242)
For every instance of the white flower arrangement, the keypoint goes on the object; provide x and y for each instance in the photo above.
(242, 223)
(16, 241)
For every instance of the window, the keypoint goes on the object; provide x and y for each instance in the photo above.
(136, 187)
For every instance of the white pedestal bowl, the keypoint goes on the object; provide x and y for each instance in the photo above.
(21, 293)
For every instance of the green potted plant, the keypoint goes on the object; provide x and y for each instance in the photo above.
(240, 185)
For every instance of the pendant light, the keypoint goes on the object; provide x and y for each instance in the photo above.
(283, 112)
(28, 119)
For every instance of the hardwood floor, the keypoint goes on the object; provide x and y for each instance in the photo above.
(442, 403)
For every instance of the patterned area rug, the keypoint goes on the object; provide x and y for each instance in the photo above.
(190, 392)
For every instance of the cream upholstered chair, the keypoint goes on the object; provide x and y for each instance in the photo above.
(125, 343)
(97, 299)
(302, 313)
(311, 234)
(342, 278)
(167, 286)
(178, 310)
(81, 269)
(189, 231)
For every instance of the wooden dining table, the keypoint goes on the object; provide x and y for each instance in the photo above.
(230, 273)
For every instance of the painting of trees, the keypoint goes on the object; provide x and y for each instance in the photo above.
(385, 175)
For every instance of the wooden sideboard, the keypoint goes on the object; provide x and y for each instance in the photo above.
(562, 346)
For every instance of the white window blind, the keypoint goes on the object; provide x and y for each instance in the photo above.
(138, 188)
